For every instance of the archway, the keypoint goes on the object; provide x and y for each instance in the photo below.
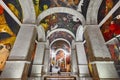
(60, 52)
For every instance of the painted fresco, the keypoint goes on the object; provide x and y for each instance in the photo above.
(36, 6)
(60, 34)
(15, 7)
(60, 57)
(110, 28)
(8, 30)
(105, 7)
(4, 53)
(58, 3)
(61, 20)
(79, 5)
(8, 27)
(6, 34)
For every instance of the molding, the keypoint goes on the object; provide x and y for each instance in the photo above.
(58, 40)
(60, 29)
(29, 15)
(60, 10)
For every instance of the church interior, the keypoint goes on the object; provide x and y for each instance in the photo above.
(59, 39)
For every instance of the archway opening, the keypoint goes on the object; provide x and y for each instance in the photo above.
(60, 60)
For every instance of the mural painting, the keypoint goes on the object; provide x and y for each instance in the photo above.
(5, 31)
(8, 30)
(61, 20)
(58, 3)
(4, 53)
(79, 5)
(110, 28)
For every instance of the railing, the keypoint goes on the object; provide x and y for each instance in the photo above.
(61, 75)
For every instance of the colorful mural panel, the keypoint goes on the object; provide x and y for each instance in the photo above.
(8, 27)
(8, 31)
(104, 9)
(61, 20)
(5, 30)
(110, 28)
(15, 7)
(58, 3)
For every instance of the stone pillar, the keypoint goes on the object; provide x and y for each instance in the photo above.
(100, 63)
(74, 66)
(82, 60)
(95, 44)
(24, 43)
(38, 60)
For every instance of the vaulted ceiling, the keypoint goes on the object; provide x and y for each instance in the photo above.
(57, 14)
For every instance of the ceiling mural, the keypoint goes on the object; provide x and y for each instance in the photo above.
(110, 28)
(57, 20)
(8, 27)
(104, 9)
(15, 7)
(58, 3)
(61, 20)
(60, 34)
(79, 5)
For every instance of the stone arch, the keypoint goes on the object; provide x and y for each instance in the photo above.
(60, 39)
(60, 29)
(92, 12)
(79, 33)
(60, 10)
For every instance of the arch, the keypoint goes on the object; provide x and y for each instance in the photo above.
(92, 12)
(109, 14)
(58, 40)
(28, 8)
(79, 33)
(60, 10)
(59, 50)
(60, 29)
(40, 33)
(54, 54)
